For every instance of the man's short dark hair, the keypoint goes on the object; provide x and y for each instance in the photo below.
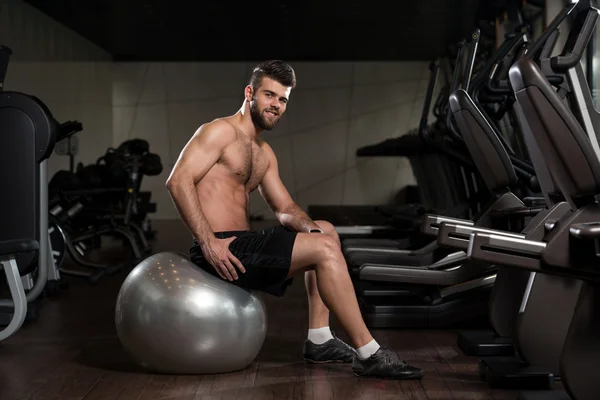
(275, 69)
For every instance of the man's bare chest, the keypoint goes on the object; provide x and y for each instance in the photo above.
(247, 163)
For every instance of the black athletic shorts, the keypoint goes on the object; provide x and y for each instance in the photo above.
(266, 255)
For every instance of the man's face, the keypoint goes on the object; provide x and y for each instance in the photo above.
(268, 103)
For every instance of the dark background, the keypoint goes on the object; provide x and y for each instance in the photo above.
(175, 30)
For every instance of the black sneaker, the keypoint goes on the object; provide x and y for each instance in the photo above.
(387, 365)
(333, 350)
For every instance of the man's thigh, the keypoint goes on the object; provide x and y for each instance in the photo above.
(306, 249)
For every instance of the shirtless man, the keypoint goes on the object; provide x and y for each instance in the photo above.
(210, 185)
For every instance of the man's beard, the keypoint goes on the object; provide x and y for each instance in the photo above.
(259, 119)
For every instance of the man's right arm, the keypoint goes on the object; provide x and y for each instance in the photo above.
(197, 157)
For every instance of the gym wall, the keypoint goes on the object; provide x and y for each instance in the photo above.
(68, 73)
(336, 108)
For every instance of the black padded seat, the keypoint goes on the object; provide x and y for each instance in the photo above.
(11, 247)
(490, 156)
(564, 143)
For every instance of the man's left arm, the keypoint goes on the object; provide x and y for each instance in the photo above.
(279, 200)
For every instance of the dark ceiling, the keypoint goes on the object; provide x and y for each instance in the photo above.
(174, 30)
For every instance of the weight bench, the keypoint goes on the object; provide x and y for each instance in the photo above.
(8, 251)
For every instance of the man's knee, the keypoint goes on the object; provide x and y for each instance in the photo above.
(329, 254)
(329, 249)
(328, 229)
(314, 251)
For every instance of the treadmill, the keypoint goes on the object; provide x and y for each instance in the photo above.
(567, 257)
(362, 223)
(428, 150)
(552, 127)
(558, 323)
(462, 284)
(510, 284)
(392, 251)
(409, 145)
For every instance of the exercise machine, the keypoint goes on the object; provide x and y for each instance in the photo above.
(28, 136)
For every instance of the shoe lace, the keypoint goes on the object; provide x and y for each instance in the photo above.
(390, 357)
(344, 345)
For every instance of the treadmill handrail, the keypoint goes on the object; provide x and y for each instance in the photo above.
(379, 250)
(431, 223)
(447, 227)
(524, 254)
(585, 230)
(538, 44)
(454, 271)
(487, 72)
(475, 36)
(584, 34)
(461, 81)
(424, 133)
(458, 236)
(450, 261)
(434, 68)
(504, 250)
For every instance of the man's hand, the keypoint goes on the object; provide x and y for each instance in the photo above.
(218, 255)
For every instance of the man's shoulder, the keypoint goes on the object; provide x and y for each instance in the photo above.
(217, 130)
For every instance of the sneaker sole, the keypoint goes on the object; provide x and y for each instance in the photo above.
(397, 378)
(327, 361)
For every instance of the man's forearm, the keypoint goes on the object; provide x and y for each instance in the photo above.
(294, 218)
(190, 211)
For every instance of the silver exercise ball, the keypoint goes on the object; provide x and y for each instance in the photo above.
(172, 317)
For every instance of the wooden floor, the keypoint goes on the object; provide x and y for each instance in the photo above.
(72, 352)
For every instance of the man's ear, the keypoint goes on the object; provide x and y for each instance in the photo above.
(249, 93)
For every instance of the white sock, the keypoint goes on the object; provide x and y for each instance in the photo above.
(367, 350)
(320, 335)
